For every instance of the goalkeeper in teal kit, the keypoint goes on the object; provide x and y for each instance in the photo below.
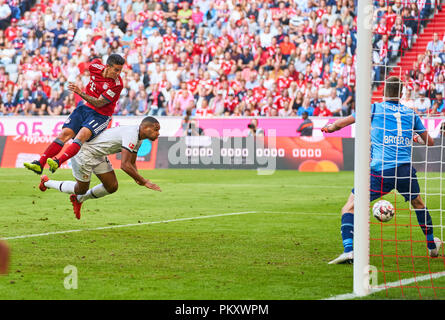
(393, 128)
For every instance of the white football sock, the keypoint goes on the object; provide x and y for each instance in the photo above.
(62, 186)
(98, 191)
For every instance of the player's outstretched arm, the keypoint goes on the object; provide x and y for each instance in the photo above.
(425, 138)
(97, 102)
(338, 124)
(128, 165)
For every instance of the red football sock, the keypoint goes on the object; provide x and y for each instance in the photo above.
(69, 152)
(53, 149)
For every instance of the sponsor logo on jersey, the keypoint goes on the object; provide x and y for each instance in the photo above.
(98, 66)
(111, 93)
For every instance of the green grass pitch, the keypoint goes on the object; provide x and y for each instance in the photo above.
(251, 237)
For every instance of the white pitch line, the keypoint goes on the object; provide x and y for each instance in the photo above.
(304, 213)
(125, 225)
(348, 187)
(147, 223)
(391, 285)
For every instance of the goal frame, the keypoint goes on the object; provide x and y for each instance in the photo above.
(362, 145)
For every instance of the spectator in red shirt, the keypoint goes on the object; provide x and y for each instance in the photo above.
(230, 102)
(192, 83)
(261, 57)
(322, 110)
(11, 31)
(287, 47)
(204, 111)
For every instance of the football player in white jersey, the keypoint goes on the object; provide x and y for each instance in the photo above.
(92, 158)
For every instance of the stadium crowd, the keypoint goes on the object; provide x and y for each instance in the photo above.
(424, 83)
(201, 57)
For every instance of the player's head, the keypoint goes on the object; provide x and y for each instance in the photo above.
(149, 128)
(115, 63)
(393, 88)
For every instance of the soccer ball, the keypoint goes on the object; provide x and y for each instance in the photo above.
(383, 210)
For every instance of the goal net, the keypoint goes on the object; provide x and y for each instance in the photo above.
(407, 42)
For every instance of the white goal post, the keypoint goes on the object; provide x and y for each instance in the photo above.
(362, 148)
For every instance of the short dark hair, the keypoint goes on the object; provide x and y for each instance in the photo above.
(115, 59)
(393, 88)
(149, 120)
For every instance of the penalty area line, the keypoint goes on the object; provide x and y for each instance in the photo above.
(391, 285)
(126, 225)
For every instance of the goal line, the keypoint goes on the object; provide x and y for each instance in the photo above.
(387, 286)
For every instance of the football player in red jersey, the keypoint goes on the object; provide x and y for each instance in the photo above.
(87, 120)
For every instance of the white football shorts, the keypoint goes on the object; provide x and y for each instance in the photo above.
(83, 165)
